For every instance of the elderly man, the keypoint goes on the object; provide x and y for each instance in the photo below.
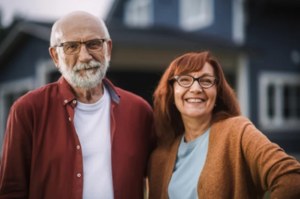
(80, 137)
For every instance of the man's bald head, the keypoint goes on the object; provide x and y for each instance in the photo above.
(73, 24)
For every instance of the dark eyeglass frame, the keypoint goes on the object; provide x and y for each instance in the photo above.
(79, 43)
(198, 79)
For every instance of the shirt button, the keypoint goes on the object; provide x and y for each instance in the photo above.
(70, 119)
(78, 175)
(78, 147)
(65, 101)
(74, 101)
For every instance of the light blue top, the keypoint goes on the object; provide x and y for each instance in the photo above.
(190, 160)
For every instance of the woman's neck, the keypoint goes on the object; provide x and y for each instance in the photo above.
(195, 127)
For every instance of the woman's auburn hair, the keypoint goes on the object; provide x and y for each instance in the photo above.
(168, 122)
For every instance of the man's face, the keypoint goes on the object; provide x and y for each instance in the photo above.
(79, 56)
(83, 74)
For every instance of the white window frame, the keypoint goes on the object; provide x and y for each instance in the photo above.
(204, 17)
(42, 70)
(138, 13)
(243, 83)
(278, 122)
(238, 21)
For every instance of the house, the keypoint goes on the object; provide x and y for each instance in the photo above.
(256, 43)
(274, 71)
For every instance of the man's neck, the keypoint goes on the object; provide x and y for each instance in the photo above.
(90, 95)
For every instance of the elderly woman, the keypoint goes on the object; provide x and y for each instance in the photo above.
(206, 148)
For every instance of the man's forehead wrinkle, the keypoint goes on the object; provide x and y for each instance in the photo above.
(77, 24)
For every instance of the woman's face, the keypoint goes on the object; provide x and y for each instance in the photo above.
(196, 101)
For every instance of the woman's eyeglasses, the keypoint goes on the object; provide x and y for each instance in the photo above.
(187, 81)
(73, 47)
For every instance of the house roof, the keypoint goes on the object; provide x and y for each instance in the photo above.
(151, 37)
(164, 37)
(19, 33)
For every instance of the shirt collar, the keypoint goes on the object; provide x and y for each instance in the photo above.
(114, 94)
(68, 95)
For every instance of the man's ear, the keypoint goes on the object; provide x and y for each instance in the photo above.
(109, 48)
(54, 55)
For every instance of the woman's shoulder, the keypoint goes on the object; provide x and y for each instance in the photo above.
(231, 128)
(163, 151)
(236, 122)
(237, 119)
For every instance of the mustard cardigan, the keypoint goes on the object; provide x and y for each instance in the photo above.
(241, 163)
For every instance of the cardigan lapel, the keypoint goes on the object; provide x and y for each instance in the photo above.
(170, 163)
(209, 159)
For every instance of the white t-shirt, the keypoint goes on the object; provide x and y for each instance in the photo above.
(92, 124)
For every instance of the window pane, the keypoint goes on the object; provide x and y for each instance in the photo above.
(271, 101)
(297, 102)
(53, 76)
(10, 98)
(194, 8)
(195, 14)
(138, 12)
(286, 101)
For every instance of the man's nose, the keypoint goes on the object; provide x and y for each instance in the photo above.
(84, 54)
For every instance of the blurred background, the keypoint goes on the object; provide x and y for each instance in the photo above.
(256, 41)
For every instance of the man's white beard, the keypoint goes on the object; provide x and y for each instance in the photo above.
(84, 79)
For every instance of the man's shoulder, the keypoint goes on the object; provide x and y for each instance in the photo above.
(129, 94)
(126, 96)
(38, 95)
(43, 90)
(130, 97)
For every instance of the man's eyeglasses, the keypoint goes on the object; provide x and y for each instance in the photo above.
(187, 81)
(73, 47)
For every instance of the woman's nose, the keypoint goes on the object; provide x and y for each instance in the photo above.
(196, 86)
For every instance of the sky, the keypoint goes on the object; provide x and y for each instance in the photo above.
(50, 10)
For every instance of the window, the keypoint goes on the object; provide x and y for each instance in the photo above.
(46, 72)
(279, 101)
(270, 101)
(195, 14)
(9, 92)
(238, 21)
(138, 13)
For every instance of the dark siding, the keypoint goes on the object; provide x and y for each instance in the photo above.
(22, 62)
(166, 13)
(273, 38)
(222, 24)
